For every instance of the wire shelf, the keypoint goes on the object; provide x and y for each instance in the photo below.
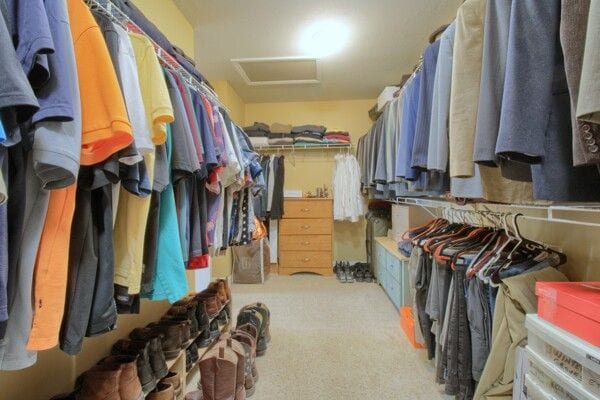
(545, 212)
(119, 17)
(293, 147)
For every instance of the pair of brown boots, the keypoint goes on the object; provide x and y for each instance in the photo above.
(114, 378)
(228, 371)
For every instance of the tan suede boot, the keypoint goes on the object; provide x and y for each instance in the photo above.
(101, 382)
(130, 387)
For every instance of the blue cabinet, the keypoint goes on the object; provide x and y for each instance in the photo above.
(391, 271)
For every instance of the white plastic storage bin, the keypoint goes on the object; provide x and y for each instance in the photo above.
(571, 358)
(552, 381)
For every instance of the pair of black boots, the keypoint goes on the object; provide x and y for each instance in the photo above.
(258, 315)
(348, 273)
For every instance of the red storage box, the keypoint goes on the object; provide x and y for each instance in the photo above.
(572, 306)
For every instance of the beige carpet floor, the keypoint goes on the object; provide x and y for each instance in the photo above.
(335, 341)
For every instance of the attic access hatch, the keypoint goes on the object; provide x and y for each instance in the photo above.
(278, 70)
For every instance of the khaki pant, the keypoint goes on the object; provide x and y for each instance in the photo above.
(516, 298)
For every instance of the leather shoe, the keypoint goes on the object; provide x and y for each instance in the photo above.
(163, 391)
(140, 350)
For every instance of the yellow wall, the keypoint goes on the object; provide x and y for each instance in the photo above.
(231, 100)
(307, 169)
(55, 371)
(171, 21)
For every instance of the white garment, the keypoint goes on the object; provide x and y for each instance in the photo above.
(347, 197)
(132, 94)
(271, 183)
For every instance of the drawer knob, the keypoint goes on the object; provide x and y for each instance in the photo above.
(306, 259)
(305, 209)
(305, 243)
(305, 226)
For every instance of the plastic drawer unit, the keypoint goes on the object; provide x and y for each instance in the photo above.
(552, 382)
(573, 363)
(391, 271)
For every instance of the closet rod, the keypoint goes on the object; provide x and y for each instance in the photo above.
(118, 16)
(302, 147)
(549, 210)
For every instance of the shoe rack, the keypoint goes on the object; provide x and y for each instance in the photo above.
(178, 363)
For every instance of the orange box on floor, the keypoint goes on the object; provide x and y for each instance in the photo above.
(407, 323)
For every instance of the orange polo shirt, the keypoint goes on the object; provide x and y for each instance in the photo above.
(51, 270)
(105, 125)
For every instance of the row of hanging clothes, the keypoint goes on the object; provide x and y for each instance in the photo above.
(495, 109)
(472, 278)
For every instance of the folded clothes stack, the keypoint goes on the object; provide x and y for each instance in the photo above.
(281, 134)
(258, 133)
(337, 137)
(308, 134)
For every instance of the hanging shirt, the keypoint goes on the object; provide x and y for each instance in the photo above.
(421, 139)
(130, 226)
(495, 48)
(466, 73)
(155, 93)
(15, 91)
(170, 281)
(57, 137)
(437, 150)
(438, 138)
(132, 93)
(210, 155)
(105, 125)
(28, 23)
(192, 119)
(407, 135)
(184, 153)
(347, 199)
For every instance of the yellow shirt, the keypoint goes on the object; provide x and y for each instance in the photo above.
(132, 212)
(155, 93)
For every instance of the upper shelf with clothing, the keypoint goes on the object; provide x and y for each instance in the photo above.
(491, 116)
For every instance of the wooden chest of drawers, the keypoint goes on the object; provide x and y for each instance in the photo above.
(306, 237)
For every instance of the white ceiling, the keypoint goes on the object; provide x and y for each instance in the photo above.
(387, 37)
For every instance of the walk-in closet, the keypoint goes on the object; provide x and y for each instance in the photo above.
(299, 200)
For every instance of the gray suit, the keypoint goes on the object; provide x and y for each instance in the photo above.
(535, 106)
(588, 108)
(573, 28)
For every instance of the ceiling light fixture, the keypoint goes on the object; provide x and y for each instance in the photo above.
(324, 38)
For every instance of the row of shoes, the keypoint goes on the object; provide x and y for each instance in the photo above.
(349, 273)
(228, 371)
(137, 367)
